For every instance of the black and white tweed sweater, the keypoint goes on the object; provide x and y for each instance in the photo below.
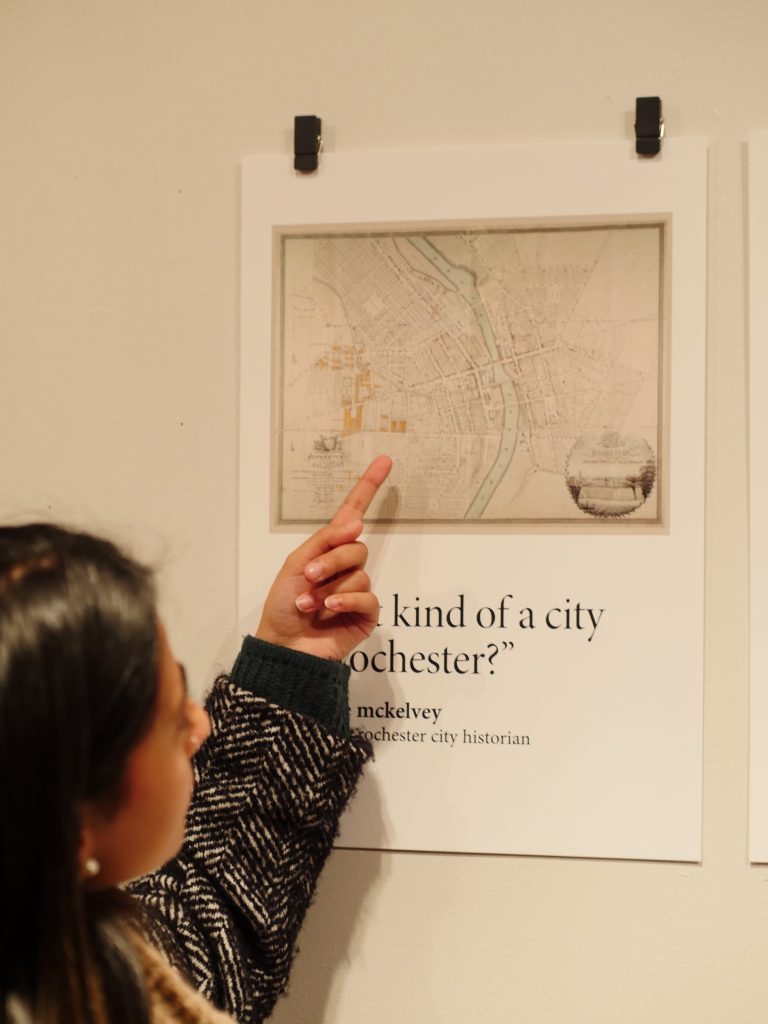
(271, 785)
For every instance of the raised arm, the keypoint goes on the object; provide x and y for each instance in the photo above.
(273, 778)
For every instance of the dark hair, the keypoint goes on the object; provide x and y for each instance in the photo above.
(78, 687)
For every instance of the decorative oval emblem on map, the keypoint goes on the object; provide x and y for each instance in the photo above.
(610, 474)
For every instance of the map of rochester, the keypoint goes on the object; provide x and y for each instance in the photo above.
(514, 374)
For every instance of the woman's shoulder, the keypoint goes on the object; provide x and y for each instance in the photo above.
(171, 998)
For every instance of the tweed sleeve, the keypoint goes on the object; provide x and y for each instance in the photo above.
(271, 786)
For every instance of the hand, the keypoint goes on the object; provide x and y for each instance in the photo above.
(321, 601)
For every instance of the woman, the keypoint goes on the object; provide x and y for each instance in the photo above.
(98, 742)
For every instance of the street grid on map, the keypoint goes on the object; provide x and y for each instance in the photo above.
(485, 360)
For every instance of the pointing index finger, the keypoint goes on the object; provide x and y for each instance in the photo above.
(362, 494)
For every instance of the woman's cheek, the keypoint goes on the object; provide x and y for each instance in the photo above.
(185, 783)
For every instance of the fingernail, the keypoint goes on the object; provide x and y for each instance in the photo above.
(305, 602)
(314, 570)
(333, 602)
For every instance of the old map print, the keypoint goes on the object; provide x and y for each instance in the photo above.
(514, 374)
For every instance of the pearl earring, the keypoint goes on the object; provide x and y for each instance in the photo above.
(92, 867)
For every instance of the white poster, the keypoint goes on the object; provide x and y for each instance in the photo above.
(522, 331)
(758, 496)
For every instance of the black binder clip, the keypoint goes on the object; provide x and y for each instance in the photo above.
(307, 142)
(649, 126)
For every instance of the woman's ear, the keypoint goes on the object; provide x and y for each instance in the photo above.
(88, 863)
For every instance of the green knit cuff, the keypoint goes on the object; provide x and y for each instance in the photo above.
(300, 682)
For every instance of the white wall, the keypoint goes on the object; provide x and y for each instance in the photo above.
(122, 126)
